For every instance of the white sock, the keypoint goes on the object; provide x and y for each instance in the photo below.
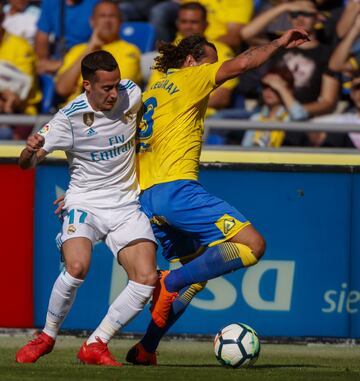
(125, 307)
(61, 299)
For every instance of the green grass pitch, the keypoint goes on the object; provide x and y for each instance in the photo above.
(185, 360)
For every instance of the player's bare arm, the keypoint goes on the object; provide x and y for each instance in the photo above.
(33, 153)
(256, 56)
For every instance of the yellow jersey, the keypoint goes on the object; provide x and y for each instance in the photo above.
(223, 12)
(171, 129)
(18, 52)
(126, 55)
(224, 53)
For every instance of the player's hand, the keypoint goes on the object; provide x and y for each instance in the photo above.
(60, 205)
(34, 142)
(293, 38)
(95, 42)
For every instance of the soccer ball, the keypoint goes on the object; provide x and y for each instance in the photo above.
(237, 345)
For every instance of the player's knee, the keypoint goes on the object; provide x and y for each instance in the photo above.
(258, 246)
(77, 269)
(147, 278)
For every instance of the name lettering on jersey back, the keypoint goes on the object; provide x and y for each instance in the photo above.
(166, 85)
(115, 150)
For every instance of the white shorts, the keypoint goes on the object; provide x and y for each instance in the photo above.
(116, 227)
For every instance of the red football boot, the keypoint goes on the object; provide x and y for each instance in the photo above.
(137, 355)
(97, 354)
(40, 346)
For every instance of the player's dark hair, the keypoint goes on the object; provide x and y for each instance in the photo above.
(99, 60)
(194, 6)
(173, 56)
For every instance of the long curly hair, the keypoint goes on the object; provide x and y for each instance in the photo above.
(173, 56)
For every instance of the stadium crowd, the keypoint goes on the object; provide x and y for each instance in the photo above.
(43, 42)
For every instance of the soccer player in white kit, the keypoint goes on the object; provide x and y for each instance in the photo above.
(97, 132)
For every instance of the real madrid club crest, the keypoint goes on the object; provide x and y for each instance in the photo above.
(71, 229)
(129, 116)
(88, 118)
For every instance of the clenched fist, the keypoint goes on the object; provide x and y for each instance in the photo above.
(34, 142)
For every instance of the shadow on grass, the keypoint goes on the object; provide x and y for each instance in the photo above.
(275, 366)
(253, 368)
(183, 366)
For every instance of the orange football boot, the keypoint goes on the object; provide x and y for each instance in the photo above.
(162, 300)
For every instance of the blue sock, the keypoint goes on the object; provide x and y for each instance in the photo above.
(154, 334)
(216, 261)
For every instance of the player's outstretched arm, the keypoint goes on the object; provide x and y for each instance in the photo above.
(256, 56)
(32, 154)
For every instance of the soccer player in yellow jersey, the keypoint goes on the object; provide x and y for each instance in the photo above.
(185, 218)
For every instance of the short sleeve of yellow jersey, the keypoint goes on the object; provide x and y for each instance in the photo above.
(200, 81)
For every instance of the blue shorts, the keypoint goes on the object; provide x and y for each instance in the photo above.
(185, 217)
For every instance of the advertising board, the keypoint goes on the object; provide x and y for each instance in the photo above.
(307, 284)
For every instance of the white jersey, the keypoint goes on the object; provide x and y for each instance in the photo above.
(100, 148)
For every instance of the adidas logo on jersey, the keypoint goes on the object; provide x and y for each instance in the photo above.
(91, 132)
